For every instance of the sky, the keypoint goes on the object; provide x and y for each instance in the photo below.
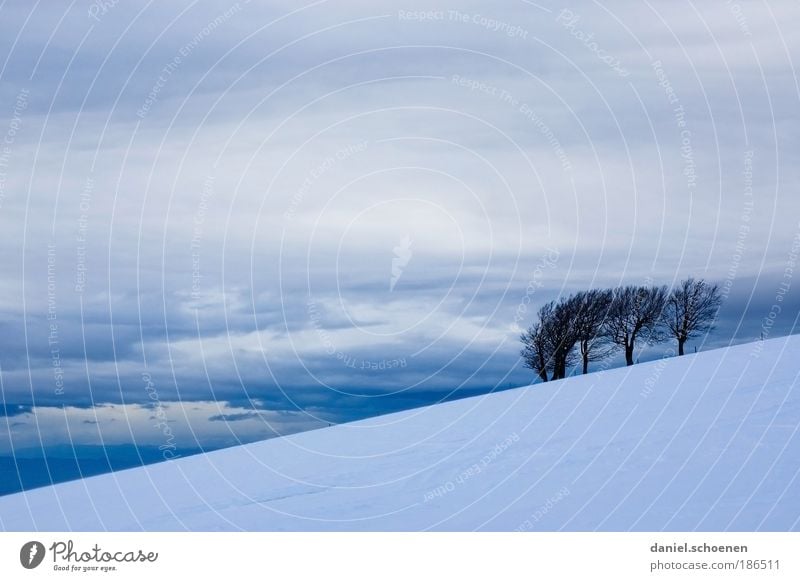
(225, 221)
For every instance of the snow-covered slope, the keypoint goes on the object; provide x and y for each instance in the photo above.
(707, 441)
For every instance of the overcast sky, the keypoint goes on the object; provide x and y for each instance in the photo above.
(336, 210)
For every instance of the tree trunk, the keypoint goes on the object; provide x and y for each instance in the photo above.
(629, 354)
(560, 369)
(543, 375)
(680, 346)
(585, 363)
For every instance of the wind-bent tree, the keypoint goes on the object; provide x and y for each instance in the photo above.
(635, 314)
(691, 310)
(592, 311)
(563, 334)
(548, 344)
(536, 351)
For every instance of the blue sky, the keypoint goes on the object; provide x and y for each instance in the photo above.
(258, 218)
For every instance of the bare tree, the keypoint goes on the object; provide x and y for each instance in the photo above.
(592, 309)
(538, 350)
(691, 310)
(563, 334)
(635, 314)
(548, 344)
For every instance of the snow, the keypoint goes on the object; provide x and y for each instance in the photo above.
(707, 441)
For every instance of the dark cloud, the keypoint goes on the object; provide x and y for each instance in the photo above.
(234, 417)
(10, 410)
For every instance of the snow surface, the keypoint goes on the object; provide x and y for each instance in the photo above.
(701, 442)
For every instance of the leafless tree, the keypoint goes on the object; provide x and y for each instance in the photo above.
(536, 351)
(591, 311)
(691, 310)
(563, 335)
(635, 314)
(548, 344)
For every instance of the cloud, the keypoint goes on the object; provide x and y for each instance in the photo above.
(226, 224)
(234, 417)
(177, 425)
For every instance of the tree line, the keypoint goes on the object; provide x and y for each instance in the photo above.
(591, 325)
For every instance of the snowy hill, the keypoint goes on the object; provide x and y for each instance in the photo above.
(706, 442)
